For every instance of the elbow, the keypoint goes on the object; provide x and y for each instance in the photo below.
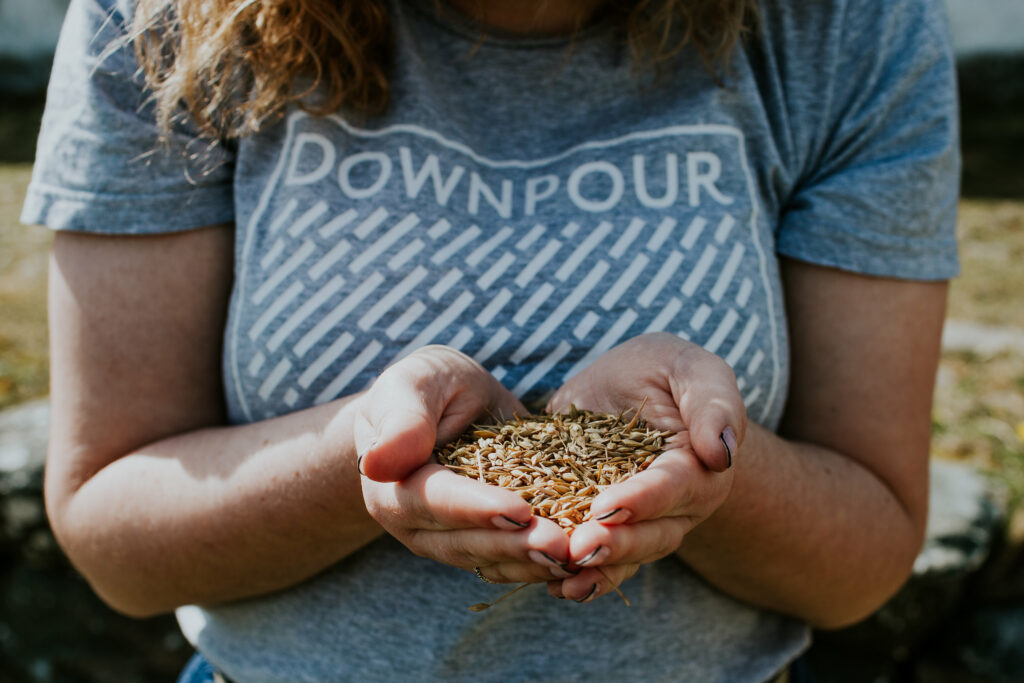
(127, 606)
(842, 614)
(125, 592)
(98, 557)
(874, 588)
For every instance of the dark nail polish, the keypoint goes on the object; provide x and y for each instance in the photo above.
(512, 521)
(609, 515)
(588, 596)
(552, 560)
(359, 465)
(728, 451)
(591, 556)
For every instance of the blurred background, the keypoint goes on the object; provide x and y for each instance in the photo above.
(961, 618)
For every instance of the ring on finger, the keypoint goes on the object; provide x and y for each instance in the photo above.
(480, 575)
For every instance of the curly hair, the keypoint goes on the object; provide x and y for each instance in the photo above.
(234, 65)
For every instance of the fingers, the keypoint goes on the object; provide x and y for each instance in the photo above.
(425, 399)
(590, 584)
(539, 553)
(607, 556)
(596, 545)
(437, 498)
(676, 484)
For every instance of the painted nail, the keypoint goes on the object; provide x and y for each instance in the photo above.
(507, 523)
(359, 466)
(729, 441)
(618, 516)
(560, 573)
(541, 557)
(589, 596)
(596, 556)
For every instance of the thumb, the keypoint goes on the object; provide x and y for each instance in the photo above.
(712, 410)
(395, 428)
(714, 437)
(391, 447)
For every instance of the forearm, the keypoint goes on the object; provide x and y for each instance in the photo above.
(805, 531)
(218, 514)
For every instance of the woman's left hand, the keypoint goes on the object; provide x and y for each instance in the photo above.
(682, 388)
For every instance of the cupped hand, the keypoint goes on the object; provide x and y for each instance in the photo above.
(685, 389)
(424, 400)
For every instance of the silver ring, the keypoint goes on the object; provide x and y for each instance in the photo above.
(480, 575)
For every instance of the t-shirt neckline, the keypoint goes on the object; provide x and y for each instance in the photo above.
(465, 27)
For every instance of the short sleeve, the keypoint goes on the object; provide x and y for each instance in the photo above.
(879, 196)
(100, 164)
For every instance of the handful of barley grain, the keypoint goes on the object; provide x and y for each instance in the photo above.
(557, 463)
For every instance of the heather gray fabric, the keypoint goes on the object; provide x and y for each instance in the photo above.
(531, 203)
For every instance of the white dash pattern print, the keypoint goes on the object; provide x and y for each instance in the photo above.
(369, 244)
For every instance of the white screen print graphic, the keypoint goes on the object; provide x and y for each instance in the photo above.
(366, 245)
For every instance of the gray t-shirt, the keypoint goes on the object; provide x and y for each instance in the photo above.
(532, 202)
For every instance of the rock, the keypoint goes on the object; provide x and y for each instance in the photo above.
(966, 514)
(984, 644)
(24, 530)
(23, 437)
(985, 340)
(1002, 578)
(989, 643)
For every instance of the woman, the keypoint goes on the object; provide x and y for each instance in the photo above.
(262, 326)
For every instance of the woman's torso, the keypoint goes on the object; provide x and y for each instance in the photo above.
(531, 203)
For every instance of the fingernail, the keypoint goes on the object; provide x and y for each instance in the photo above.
(541, 557)
(729, 441)
(359, 465)
(618, 516)
(507, 523)
(589, 596)
(596, 556)
(560, 573)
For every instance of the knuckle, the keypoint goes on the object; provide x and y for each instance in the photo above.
(412, 539)
(474, 558)
(671, 538)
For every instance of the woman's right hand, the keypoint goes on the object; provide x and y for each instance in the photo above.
(425, 400)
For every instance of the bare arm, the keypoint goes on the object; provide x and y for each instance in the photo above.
(825, 519)
(153, 498)
(159, 504)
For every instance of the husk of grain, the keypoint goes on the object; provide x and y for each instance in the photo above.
(558, 463)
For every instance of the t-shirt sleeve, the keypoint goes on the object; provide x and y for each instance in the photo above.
(879, 194)
(100, 164)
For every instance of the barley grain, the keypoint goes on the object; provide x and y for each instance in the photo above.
(558, 463)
